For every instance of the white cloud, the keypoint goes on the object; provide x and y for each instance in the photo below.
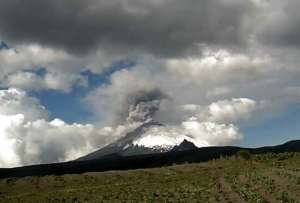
(28, 137)
(7, 155)
(114, 95)
(204, 125)
(218, 67)
(15, 64)
(231, 111)
(263, 67)
(202, 134)
(211, 134)
(53, 81)
(42, 141)
(225, 111)
(210, 125)
(14, 101)
(27, 57)
(62, 71)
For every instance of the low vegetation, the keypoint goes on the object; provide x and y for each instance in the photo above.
(244, 154)
(242, 178)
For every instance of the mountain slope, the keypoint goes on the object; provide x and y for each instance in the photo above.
(124, 146)
(118, 162)
(184, 146)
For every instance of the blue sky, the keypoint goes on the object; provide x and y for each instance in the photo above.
(69, 106)
(284, 127)
(191, 65)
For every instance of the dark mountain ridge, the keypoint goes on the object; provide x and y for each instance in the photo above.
(184, 146)
(118, 162)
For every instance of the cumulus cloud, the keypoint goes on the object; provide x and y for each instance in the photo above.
(19, 68)
(68, 38)
(40, 141)
(192, 59)
(226, 111)
(36, 67)
(203, 81)
(207, 126)
(111, 102)
(7, 156)
(44, 141)
(207, 42)
(14, 101)
(213, 124)
(219, 66)
(28, 137)
(202, 134)
(50, 81)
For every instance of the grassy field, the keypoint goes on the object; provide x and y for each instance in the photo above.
(263, 178)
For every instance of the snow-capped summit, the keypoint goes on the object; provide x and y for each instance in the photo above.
(161, 137)
(125, 145)
(149, 138)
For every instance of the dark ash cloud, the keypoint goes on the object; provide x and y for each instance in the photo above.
(142, 105)
(163, 28)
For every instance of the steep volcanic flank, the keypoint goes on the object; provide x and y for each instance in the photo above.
(138, 142)
(125, 146)
(138, 107)
(151, 137)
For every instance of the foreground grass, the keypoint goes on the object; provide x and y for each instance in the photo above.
(263, 178)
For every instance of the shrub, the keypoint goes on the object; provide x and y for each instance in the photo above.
(244, 154)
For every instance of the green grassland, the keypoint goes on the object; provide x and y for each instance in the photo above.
(262, 178)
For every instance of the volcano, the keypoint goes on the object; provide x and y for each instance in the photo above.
(103, 160)
(138, 142)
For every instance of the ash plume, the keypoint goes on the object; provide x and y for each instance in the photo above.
(142, 105)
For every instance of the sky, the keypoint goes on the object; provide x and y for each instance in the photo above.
(77, 75)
